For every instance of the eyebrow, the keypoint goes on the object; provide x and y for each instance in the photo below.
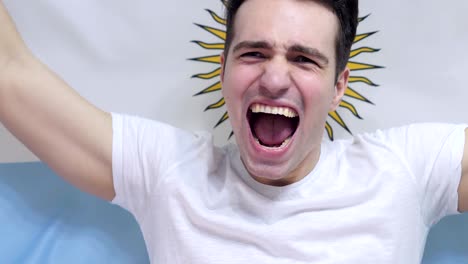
(294, 48)
(252, 45)
(310, 52)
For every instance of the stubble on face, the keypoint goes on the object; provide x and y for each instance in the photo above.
(279, 85)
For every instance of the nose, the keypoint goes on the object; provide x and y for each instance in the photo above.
(276, 78)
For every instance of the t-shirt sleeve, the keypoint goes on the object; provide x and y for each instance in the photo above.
(142, 152)
(433, 154)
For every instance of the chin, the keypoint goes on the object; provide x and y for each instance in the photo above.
(276, 175)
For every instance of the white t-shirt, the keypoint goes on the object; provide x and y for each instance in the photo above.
(371, 199)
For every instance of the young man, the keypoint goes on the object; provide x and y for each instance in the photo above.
(280, 195)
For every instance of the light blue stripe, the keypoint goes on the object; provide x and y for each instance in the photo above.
(45, 220)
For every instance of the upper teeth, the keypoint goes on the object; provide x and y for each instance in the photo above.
(286, 111)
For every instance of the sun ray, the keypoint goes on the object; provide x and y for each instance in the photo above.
(222, 119)
(335, 116)
(357, 66)
(353, 94)
(216, 105)
(329, 130)
(213, 88)
(210, 46)
(363, 36)
(211, 59)
(217, 18)
(354, 79)
(363, 18)
(217, 32)
(210, 75)
(356, 52)
(350, 107)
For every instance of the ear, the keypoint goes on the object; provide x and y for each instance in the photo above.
(340, 88)
(223, 60)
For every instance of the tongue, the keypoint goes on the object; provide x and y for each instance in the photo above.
(272, 130)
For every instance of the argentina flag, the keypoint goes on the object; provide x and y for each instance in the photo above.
(161, 60)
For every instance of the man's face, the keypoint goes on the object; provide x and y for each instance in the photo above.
(279, 85)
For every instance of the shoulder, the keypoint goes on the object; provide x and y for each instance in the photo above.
(140, 128)
(398, 142)
(407, 134)
(158, 144)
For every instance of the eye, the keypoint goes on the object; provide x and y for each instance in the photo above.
(253, 54)
(303, 59)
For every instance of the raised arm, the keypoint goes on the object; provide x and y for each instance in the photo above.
(65, 131)
(463, 188)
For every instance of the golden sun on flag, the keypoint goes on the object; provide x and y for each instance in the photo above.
(215, 86)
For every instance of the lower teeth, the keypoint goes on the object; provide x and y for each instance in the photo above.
(285, 142)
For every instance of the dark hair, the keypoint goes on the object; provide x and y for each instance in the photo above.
(345, 10)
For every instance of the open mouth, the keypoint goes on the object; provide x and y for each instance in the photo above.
(271, 126)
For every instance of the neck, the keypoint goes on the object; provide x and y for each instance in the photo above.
(299, 173)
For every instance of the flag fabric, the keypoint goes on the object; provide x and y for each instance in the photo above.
(127, 57)
(161, 60)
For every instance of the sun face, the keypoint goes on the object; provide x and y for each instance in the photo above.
(215, 84)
